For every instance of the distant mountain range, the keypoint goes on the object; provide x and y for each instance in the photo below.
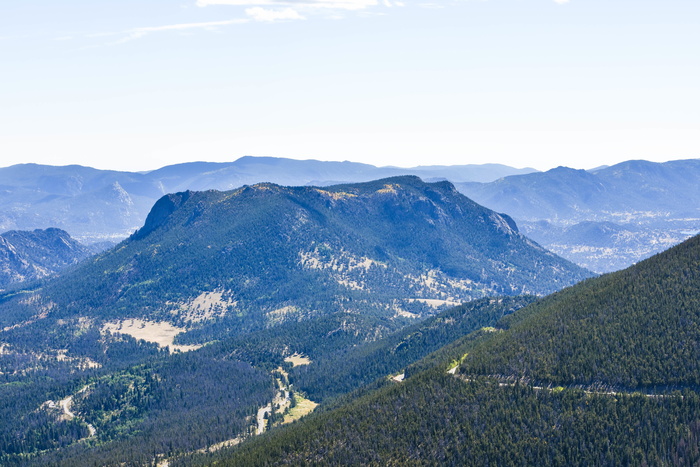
(94, 205)
(38, 254)
(604, 219)
(227, 314)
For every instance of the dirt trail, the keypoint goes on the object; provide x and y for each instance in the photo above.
(592, 390)
(283, 399)
(67, 404)
(261, 418)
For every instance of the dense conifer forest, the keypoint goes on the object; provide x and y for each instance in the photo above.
(525, 392)
(436, 418)
(604, 372)
(169, 406)
(633, 329)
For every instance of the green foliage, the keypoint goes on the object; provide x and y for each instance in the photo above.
(348, 368)
(515, 400)
(170, 405)
(636, 328)
(363, 248)
(437, 419)
(315, 338)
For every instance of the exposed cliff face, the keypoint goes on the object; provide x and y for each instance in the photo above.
(37, 254)
(160, 212)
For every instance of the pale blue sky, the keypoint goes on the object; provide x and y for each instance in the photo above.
(136, 85)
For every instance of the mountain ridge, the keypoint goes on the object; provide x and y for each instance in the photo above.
(652, 204)
(653, 207)
(386, 246)
(26, 256)
(85, 201)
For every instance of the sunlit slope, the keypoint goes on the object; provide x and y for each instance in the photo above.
(266, 254)
(634, 328)
(602, 373)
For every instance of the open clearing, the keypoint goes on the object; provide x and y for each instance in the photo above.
(303, 407)
(298, 360)
(161, 333)
(434, 302)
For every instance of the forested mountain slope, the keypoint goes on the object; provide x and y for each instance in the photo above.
(342, 370)
(633, 329)
(267, 254)
(602, 373)
(125, 414)
(256, 276)
(172, 407)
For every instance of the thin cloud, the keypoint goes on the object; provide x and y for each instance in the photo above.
(319, 4)
(179, 27)
(271, 16)
(137, 33)
(561, 2)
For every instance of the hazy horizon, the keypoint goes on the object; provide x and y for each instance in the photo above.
(106, 167)
(538, 83)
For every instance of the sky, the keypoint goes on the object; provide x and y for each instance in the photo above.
(136, 85)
